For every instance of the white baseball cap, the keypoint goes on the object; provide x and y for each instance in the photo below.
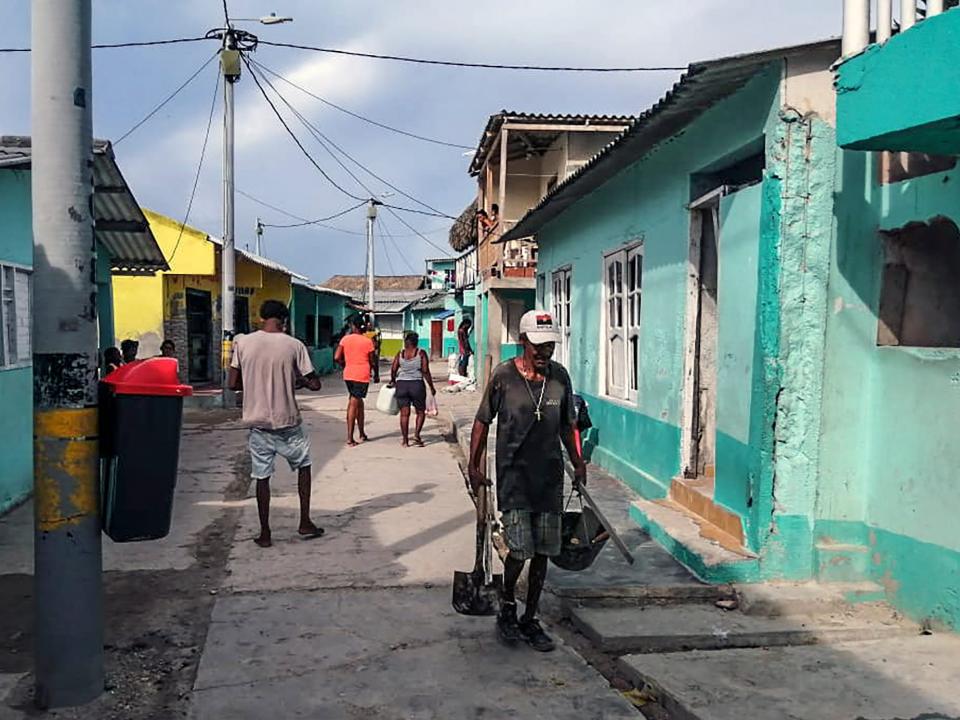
(539, 327)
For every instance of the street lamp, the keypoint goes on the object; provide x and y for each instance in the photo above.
(271, 19)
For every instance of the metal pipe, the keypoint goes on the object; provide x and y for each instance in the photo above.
(884, 20)
(908, 14)
(68, 590)
(934, 7)
(856, 26)
(228, 266)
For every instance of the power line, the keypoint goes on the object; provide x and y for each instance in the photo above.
(107, 46)
(392, 238)
(226, 13)
(321, 137)
(165, 101)
(295, 138)
(412, 229)
(358, 116)
(386, 252)
(487, 66)
(196, 179)
(318, 220)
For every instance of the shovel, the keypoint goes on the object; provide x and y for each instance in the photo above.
(477, 592)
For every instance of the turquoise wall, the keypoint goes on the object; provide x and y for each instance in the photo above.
(648, 201)
(306, 301)
(892, 97)
(16, 385)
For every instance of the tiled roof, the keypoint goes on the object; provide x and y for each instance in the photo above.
(121, 226)
(495, 122)
(700, 88)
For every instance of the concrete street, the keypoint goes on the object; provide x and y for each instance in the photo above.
(356, 624)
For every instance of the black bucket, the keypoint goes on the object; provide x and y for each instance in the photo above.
(580, 544)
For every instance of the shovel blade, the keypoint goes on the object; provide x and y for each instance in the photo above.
(472, 597)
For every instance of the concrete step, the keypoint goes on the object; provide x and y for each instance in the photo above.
(784, 598)
(900, 677)
(675, 628)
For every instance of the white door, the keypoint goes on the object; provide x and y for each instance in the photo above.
(562, 284)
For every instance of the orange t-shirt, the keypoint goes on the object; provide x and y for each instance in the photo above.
(356, 353)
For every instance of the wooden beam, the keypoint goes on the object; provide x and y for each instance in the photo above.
(564, 128)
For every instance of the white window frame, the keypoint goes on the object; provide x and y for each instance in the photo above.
(16, 301)
(512, 310)
(627, 325)
(560, 297)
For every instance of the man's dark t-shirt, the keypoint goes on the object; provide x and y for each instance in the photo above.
(529, 454)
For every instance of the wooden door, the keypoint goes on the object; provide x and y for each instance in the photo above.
(436, 339)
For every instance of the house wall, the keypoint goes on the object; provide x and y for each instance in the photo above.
(16, 384)
(641, 442)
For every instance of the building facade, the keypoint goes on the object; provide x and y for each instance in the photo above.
(317, 318)
(762, 325)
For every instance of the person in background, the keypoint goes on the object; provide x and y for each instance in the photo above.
(129, 349)
(373, 332)
(268, 366)
(112, 360)
(463, 341)
(356, 355)
(531, 398)
(409, 372)
(168, 348)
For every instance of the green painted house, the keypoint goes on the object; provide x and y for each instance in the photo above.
(317, 318)
(125, 245)
(767, 329)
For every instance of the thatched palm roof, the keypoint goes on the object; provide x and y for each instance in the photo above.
(463, 232)
(355, 284)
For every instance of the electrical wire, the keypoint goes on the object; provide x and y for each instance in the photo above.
(318, 220)
(226, 13)
(412, 229)
(290, 132)
(324, 140)
(107, 46)
(386, 253)
(390, 236)
(356, 115)
(196, 179)
(170, 97)
(486, 66)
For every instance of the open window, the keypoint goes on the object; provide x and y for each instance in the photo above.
(920, 292)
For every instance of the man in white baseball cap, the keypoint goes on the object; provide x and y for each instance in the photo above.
(532, 399)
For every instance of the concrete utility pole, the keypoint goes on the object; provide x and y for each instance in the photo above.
(230, 66)
(68, 591)
(371, 216)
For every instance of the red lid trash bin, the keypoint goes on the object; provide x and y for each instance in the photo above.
(141, 412)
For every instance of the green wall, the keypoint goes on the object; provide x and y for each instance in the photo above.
(307, 301)
(16, 385)
(648, 201)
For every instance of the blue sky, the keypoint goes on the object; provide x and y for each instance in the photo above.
(160, 159)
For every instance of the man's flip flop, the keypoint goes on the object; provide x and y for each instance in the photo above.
(319, 532)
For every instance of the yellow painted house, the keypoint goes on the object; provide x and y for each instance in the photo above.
(183, 303)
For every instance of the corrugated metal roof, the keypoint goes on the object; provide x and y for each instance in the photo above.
(394, 301)
(120, 223)
(433, 302)
(260, 260)
(700, 88)
(305, 283)
(495, 122)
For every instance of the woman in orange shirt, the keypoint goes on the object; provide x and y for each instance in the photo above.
(356, 355)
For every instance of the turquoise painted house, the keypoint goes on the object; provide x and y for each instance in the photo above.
(317, 318)
(767, 329)
(124, 245)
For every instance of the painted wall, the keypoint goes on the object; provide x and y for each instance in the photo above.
(16, 385)
(641, 442)
(891, 97)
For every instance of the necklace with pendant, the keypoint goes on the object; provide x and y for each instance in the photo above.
(537, 403)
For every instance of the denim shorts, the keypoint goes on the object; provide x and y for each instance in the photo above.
(291, 444)
(532, 533)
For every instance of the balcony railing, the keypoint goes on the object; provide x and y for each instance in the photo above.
(857, 23)
(466, 272)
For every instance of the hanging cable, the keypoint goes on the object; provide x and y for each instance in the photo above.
(196, 179)
(356, 115)
(396, 245)
(226, 13)
(486, 66)
(318, 220)
(169, 97)
(107, 46)
(412, 229)
(290, 132)
(324, 140)
(386, 253)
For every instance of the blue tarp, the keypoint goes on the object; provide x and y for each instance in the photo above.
(445, 314)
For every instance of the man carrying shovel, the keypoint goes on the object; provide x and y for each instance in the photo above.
(532, 399)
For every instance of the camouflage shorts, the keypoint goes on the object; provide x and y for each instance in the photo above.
(531, 533)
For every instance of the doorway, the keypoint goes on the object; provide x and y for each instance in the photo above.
(199, 336)
(436, 339)
(700, 391)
